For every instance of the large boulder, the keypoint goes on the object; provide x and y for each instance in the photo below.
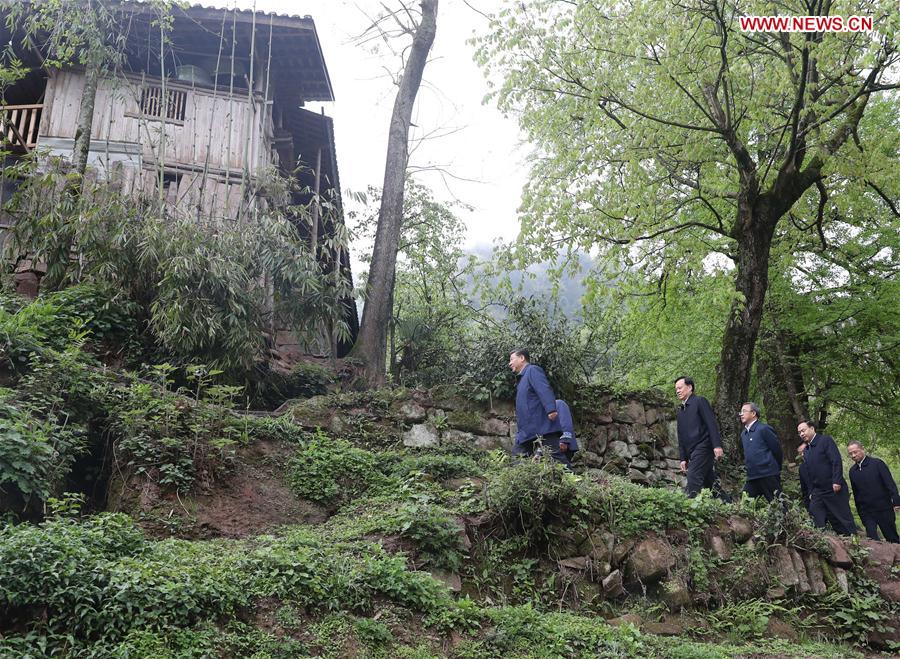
(783, 567)
(493, 442)
(493, 426)
(612, 585)
(676, 595)
(741, 529)
(651, 559)
(421, 435)
(618, 450)
(411, 412)
(452, 437)
(596, 440)
(839, 557)
(631, 411)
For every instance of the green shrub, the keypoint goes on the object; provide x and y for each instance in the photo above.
(429, 527)
(196, 285)
(631, 510)
(182, 643)
(74, 585)
(52, 321)
(23, 332)
(372, 633)
(522, 631)
(441, 466)
(530, 498)
(332, 470)
(61, 568)
(35, 454)
(172, 437)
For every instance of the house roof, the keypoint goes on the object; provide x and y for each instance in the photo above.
(298, 72)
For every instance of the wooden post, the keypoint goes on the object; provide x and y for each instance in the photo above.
(317, 186)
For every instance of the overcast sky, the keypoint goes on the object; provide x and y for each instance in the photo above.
(484, 150)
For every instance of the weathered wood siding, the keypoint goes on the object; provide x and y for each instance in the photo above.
(219, 131)
(223, 142)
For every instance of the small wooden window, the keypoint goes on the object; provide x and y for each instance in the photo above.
(170, 105)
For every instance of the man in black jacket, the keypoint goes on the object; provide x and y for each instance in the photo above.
(698, 438)
(829, 498)
(762, 455)
(875, 493)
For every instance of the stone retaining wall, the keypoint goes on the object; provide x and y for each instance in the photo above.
(632, 435)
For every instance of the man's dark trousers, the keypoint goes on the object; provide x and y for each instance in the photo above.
(768, 487)
(700, 473)
(832, 507)
(884, 520)
(550, 441)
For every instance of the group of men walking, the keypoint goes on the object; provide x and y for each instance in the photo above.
(545, 422)
(822, 484)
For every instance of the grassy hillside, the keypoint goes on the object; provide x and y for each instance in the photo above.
(146, 516)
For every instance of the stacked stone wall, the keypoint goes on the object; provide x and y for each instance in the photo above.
(628, 434)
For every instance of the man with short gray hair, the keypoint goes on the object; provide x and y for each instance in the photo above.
(762, 455)
(875, 493)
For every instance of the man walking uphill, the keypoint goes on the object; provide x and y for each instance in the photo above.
(536, 413)
(698, 437)
(875, 493)
(762, 455)
(829, 499)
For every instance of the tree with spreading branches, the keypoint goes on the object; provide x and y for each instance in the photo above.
(674, 142)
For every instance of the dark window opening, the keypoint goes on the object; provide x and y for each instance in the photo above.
(171, 105)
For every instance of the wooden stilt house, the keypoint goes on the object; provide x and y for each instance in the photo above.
(200, 117)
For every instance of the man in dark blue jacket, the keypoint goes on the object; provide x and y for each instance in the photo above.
(698, 438)
(762, 455)
(536, 413)
(875, 493)
(829, 498)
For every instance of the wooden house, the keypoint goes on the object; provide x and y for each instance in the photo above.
(199, 119)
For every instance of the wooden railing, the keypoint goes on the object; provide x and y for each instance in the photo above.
(19, 125)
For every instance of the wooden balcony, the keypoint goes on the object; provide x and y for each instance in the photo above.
(19, 126)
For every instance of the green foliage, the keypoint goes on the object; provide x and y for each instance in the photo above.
(84, 314)
(520, 632)
(72, 584)
(372, 633)
(195, 287)
(440, 466)
(461, 615)
(429, 527)
(743, 620)
(182, 643)
(59, 565)
(630, 510)
(174, 437)
(504, 573)
(529, 498)
(243, 640)
(23, 332)
(851, 617)
(35, 454)
(332, 470)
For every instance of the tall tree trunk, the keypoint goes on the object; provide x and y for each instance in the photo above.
(85, 120)
(371, 344)
(742, 329)
(780, 385)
